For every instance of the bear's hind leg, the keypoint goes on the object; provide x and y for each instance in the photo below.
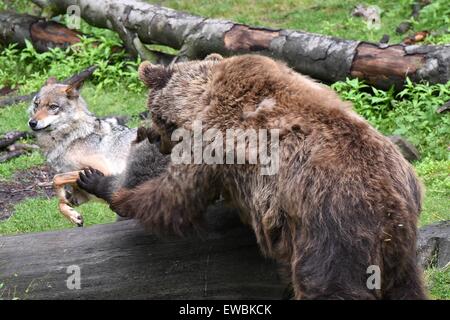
(405, 283)
(325, 266)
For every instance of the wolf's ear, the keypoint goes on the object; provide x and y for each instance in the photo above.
(51, 80)
(154, 76)
(213, 57)
(73, 88)
(75, 82)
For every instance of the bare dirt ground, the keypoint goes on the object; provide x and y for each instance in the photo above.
(25, 184)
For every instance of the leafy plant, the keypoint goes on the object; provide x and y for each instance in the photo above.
(28, 69)
(410, 113)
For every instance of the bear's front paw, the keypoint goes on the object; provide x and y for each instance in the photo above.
(89, 181)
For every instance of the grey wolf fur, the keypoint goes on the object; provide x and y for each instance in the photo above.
(144, 162)
(72, 138)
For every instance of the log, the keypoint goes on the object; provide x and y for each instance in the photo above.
(326, 58)
(121, 261)
(433, 245)
(10, 137)
(16, 28)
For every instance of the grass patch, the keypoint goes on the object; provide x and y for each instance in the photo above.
(105, 102)
(438, 283)
(436, 177)
(20, 163)
(41, 214)
(410, 113)
(14, 117)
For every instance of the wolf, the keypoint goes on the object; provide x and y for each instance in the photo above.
(72, 138)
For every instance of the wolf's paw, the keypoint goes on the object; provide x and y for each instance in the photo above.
(89, 180)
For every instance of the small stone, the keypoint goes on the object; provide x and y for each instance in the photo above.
(444, 108)
(403, 27)
(407, 149)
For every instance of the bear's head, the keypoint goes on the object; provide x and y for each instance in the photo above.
(177, 94)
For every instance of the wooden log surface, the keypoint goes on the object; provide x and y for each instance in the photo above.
(121, 261)
(16, 28)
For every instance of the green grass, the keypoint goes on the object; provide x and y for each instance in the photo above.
(104, 102)
(21, 163)
(438, 283)
(41, 214)
(436, 177)
(14, 117)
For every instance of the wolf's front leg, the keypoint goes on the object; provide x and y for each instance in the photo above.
(172, 202)
(64, 204)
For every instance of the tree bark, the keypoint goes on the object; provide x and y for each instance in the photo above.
(16, 28)
(326, 58)
(121, 261)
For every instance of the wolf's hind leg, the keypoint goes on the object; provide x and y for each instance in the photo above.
(59, 181)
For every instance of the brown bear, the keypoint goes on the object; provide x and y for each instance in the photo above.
(343, 202)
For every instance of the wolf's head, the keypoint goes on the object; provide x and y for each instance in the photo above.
(57, 105)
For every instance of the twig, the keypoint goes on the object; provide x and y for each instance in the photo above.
(11, 137)
(13, 100)
(22, 146)
(10, 155)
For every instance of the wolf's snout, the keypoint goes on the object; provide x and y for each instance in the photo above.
(32, 123)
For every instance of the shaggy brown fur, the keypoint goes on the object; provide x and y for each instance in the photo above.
(344, 197)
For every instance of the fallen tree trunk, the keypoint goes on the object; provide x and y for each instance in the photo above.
(326, 58)
(16, 28)
(121, 261)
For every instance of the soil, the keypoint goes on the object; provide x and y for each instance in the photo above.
(33, 182)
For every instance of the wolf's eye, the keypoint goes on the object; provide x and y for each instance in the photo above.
(54, 107)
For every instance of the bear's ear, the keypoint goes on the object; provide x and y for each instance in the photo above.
(51, 80)
(213, 57)
(154, 76)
